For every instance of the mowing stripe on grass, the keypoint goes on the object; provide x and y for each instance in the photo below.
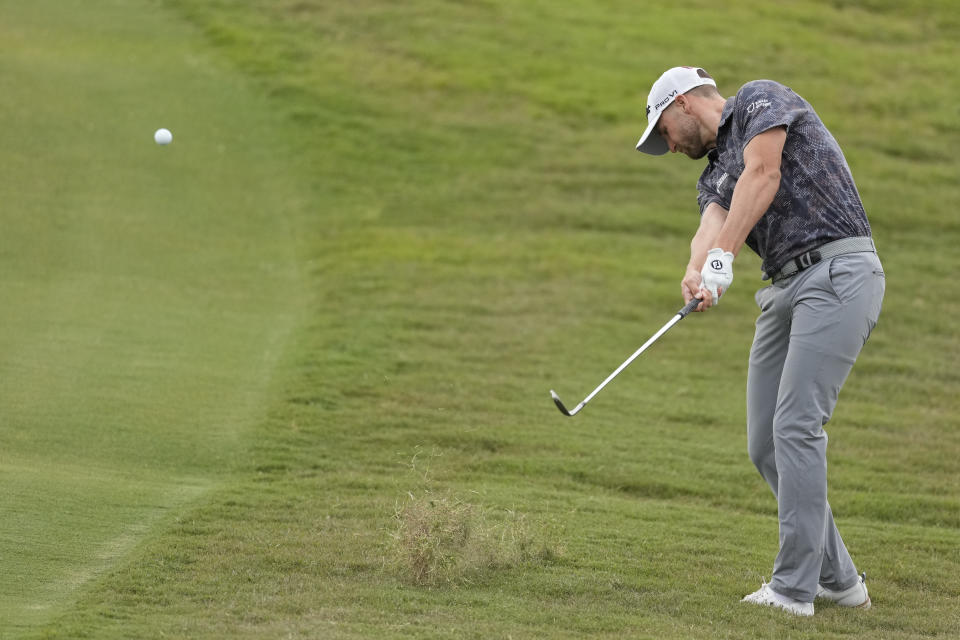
(146, 291)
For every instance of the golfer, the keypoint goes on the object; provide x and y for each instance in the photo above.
(777, 180)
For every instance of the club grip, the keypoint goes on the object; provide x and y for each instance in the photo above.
(690, 307)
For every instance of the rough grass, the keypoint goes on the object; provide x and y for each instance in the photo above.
(442, 539)
(473, 229)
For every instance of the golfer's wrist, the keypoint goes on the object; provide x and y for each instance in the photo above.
(720, 252)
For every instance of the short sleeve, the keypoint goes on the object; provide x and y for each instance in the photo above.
(706, 196)
(708, 185)
(763, 105)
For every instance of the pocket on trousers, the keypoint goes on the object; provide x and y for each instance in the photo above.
(847, 276)
(879, 288)
(857, 281)
(763, 297)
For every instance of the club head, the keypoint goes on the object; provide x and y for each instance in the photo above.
(559, 404)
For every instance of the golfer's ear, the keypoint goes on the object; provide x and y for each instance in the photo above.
(683, 100)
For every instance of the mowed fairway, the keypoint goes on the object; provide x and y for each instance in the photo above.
(147, 292)
(289, 376)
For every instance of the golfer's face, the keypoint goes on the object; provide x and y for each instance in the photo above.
(681, 132)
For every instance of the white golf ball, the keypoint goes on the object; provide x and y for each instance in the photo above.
(163, 136)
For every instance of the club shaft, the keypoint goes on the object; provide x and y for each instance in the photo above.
(633, 357)
(674, 320)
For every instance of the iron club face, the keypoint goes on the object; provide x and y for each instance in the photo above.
(563, 409)
(556, 399)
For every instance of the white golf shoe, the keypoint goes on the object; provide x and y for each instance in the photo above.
(768, 597)
(856, 596)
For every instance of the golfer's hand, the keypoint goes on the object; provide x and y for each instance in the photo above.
(690, 287)
(716, 276)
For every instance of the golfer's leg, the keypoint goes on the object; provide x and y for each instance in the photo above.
(858, 280)
(837, 571)
(801, 459)
(767, 355)
(827, 333)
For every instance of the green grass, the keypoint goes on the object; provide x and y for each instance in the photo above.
(147, 292)
(288, 376)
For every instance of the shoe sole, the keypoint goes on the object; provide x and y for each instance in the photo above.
(863, 605)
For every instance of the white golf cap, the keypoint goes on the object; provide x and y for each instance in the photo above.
(672, 83)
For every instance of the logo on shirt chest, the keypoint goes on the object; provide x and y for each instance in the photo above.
(722, 179)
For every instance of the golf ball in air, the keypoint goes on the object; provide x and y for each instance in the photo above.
(163, 136)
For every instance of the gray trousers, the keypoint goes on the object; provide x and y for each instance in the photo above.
(810, 330)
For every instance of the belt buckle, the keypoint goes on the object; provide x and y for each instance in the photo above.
(807, 260)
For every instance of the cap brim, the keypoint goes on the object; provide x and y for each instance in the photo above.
(651, 142)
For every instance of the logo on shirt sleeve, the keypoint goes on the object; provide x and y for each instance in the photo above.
(762, 103)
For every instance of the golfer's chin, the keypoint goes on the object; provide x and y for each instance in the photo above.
(696, 154)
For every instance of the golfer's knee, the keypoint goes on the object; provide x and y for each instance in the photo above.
(761, 451)
(799, 436)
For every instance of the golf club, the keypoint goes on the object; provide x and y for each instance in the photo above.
(677, 318)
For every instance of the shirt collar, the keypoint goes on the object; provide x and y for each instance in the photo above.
(724, 119)
(727, 110)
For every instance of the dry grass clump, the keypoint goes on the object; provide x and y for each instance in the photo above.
(442, 539)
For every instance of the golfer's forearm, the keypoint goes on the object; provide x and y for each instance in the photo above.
(710, 225)
(752, 197)
(756, 188)
(699, 246)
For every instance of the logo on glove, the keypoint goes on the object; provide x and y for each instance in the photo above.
(716, 265)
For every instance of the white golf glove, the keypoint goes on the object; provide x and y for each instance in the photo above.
(717, 273)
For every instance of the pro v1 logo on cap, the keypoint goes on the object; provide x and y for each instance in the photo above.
(666, 101)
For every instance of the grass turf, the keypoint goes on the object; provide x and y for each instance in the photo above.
(441, 204)
(147, 291)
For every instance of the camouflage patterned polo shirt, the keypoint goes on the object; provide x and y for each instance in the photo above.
(817, 201)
